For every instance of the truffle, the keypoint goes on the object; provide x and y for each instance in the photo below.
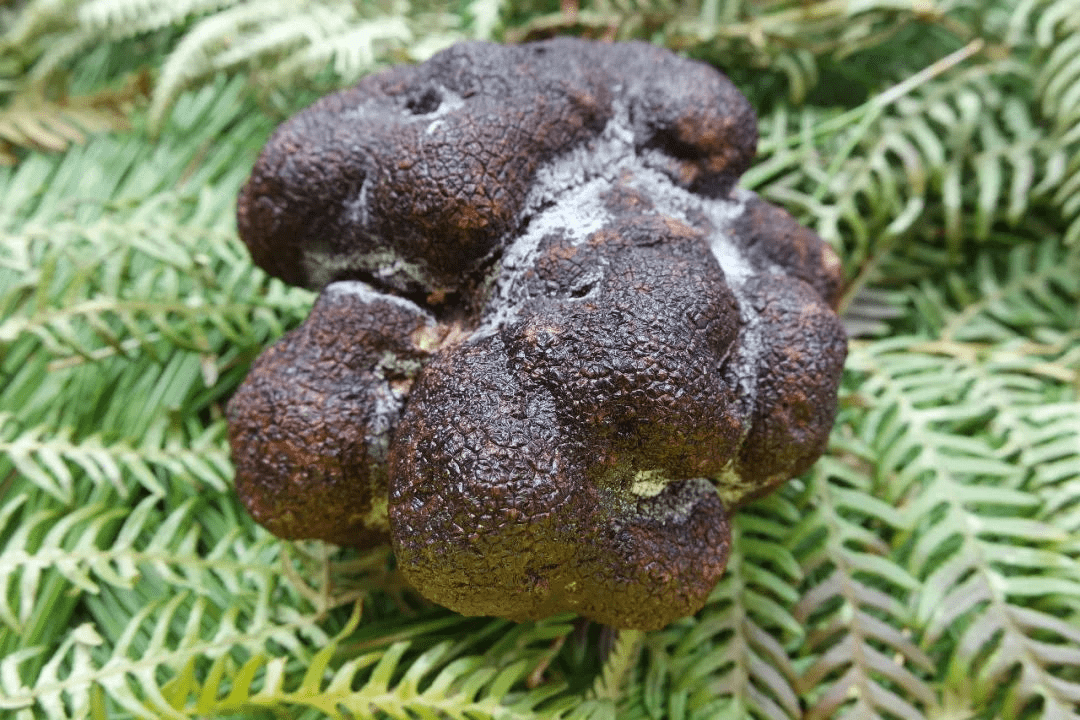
(555, 347)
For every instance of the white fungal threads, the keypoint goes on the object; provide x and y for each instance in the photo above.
(355, 210)
(386, 400)
(568, 197)
(322, 265)
(368, 294)
(450, 101)
(576, 216)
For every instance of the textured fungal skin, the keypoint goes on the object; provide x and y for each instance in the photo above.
(555, 348)
(310, 427)
(418, 174)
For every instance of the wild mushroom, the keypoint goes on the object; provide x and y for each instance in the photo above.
(553, 339)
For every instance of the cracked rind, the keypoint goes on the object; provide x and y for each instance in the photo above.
(415, 177)
(310, 427)
(624, 349)
(517, 468)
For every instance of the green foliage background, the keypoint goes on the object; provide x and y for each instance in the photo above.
(927, 567)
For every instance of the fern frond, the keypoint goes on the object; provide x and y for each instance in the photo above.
(1048, 30)
(183, 294)
(38, 18)
(608, 692)
(45, 459)
(1057, 85)
(918, 444)
(54, 126)
(133, 309)
(958, 138)
(21, 576)
(350, 52)
(101, 543)
(1047, 437)
(52, 461)
(298, 39)
(994, 578)
(192, 619)
(859, 626)
(998, 605)
(194, 55)
(618, 665)
(439, 681)
(293, 42)
(164, 635)
(122, 18)
(1032, 293)
(1009, 316)
(171, 590)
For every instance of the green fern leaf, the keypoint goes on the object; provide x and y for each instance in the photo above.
(1047, 437)
(297, 39)
(865, 663)
(986, 610)
(435, 683)
(45, 457)
(30, 120)
(618, 666)
(120, 18)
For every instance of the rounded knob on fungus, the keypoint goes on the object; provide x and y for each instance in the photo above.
(311, 425)
(555, 347)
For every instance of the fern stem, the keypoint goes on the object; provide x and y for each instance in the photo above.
(876, 104)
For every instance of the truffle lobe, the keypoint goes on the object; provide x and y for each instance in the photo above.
(802, 360)
(416, 177)
(310, 426)
(494, 511)
(520, 470)
(772, 236)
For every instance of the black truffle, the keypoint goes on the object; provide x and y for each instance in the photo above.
(553, 339)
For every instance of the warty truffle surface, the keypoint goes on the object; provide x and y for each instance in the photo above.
(556, 346)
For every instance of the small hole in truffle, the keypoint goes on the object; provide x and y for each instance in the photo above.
(427, 102)
(582, 290)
